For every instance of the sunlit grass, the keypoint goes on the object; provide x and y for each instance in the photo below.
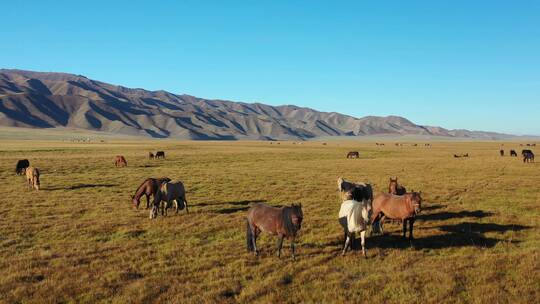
(79, 240)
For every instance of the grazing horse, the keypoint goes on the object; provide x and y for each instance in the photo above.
(513, 153)
(120, 161)
(32, 178)
(169, 192)
(528, 157)
(149, 187)
(395, 188)
(21, 166)
(501, 152)
(150, 155)
(285, 222)
(461, 155)
(404, 208)
(355, 217)
(354, 191)
(160, 154)
(353, 154)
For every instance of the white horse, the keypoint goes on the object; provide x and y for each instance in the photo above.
(355, 217)
(169, 192)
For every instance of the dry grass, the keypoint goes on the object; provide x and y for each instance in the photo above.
(78, 239)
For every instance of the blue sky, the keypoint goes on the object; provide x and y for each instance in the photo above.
(455, 64)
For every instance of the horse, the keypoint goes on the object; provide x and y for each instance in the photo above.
(150, 155)
(160, 154)
(355, 217)
(354, 191)
(21, 166)
(120, 161)
(169, 192)
(501, 152)
(513, 153)
(283, 222)
(461, 155)
(528, 157)
(404, 208)
(353, 154)
(149, 187)
(32, 178)
(525, 151)
(395, 188)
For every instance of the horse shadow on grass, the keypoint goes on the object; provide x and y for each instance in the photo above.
(464, 234)
(446, 215)
(82, 186)
(238, 206)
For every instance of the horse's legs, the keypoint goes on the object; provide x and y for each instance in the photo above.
(404, 227)
(185, 203)
(147, 202)
(381, 221)
(347, 241)
(279, 245)
(363, 237)
(254, 239)
(292, 249)
(411, 222)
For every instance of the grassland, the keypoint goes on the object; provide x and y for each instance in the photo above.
(79, 240)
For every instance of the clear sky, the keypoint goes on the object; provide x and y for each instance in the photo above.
(455, 64)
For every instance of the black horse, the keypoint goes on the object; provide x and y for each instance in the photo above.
(22, 164)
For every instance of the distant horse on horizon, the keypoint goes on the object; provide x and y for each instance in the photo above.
(353, 154)
(513, 153)
(160, 154)
(285, 222)
(120, 161)
(151, 155)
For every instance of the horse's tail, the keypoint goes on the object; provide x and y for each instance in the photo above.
(249, 237)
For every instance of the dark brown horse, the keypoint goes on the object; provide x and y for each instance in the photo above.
(120, 161)
(160, 154)
(404, 208)
(395, 188)
(148, 188)
(501, 152)
(528, 157)
(513, 153)
(21, 166)
(283, 222)
(354, 191)
(353, 154)
(150, 155)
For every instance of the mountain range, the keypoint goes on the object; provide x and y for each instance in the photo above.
(48, 100)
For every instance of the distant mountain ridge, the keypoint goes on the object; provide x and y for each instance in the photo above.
(48, 100)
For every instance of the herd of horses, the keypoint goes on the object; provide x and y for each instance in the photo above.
(359, 210)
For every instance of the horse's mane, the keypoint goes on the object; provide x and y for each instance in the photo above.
(286, 218)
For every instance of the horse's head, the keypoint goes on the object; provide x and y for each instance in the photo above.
(416, 201)
(297, 216)
(392, 187)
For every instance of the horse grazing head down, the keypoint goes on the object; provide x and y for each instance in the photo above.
(292, 218)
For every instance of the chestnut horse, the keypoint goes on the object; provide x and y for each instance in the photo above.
(283, 222)
(148, 188)
(395, 188)
(32, 178)
(120, 161)
(404, 207)
(169, 192)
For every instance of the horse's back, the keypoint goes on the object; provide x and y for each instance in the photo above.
(393, 206)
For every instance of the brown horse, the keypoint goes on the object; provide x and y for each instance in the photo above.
(148, 188)
(513, 153)
(120, 161)
(353, 154)
(395, 188)
(150, 155)
(160, 154)
(354, 191)
(169, 192)
(501, 152)
(283, 222)
(32, 178)
(404, 208)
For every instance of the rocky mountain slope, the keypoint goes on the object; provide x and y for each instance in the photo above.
(48, 100)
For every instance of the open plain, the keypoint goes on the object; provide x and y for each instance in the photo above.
(78, 239)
